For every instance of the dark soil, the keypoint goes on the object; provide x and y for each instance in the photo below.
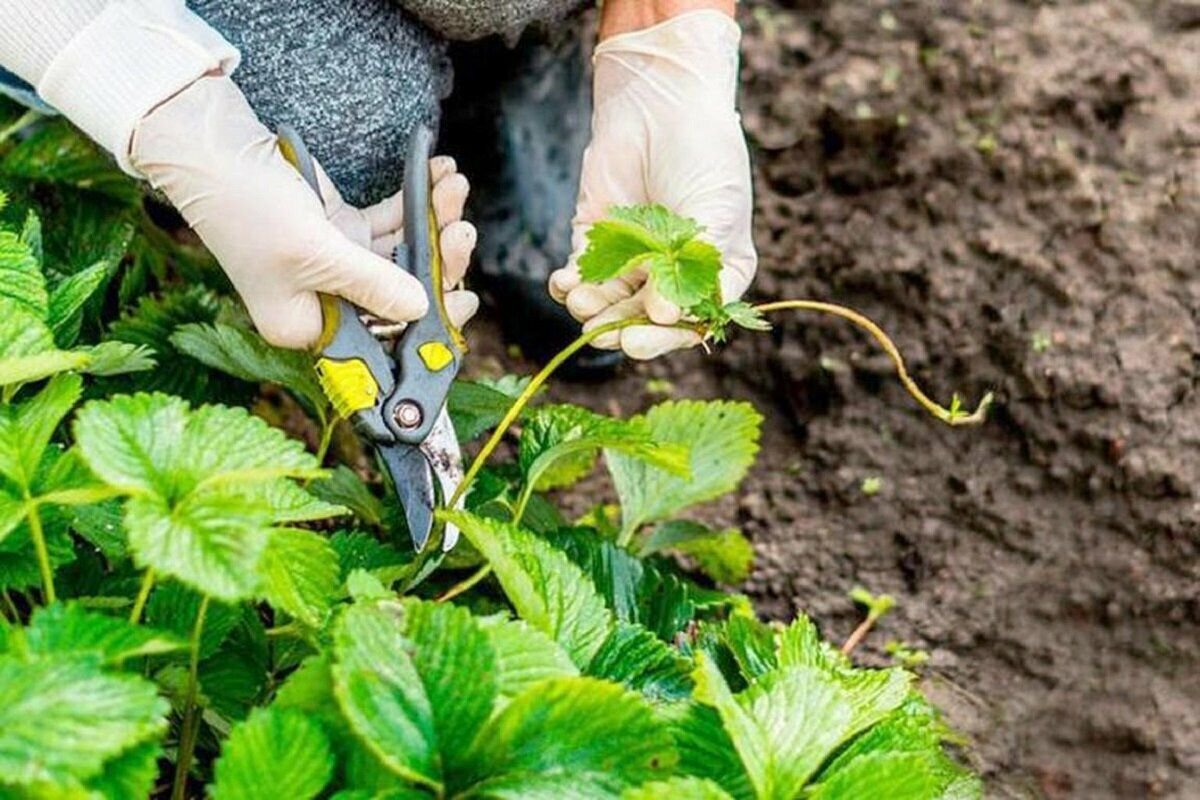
(1011, 189)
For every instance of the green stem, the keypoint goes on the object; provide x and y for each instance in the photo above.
(11, 606)
(326, 438)
(465, 585)
(950, 416)
(190, 726)
(24, 121)
(523, 399)
(284, 630)
(39, 545)
(139, 605)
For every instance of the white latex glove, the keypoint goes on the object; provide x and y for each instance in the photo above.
(279, 243)
(664, 130)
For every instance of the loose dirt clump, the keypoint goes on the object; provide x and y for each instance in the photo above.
(1011, 189)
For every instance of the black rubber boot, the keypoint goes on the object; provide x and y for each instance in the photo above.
(518, 122)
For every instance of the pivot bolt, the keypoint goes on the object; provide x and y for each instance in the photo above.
(408, 415)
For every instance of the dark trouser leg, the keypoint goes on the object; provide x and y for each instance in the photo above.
(352, 76)
(518, 122)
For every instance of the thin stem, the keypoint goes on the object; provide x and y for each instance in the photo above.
(188, 730)
(24, 121)
(523, 399)
(39, 545)
(284, 630)
(950, 416)
(11, 606)
(466, 584)
(326, 438)
(859, 633)
(139, 605)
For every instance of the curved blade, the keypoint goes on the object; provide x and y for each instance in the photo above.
(424, 476)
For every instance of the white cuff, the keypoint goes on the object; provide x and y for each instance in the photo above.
(134, 55)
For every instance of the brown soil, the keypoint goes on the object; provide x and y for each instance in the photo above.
(1010, 188)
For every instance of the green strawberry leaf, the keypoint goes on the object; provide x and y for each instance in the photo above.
(525, 656)
(21, 280)
(570, 737)
(559, 444)
(380, 693)
(678, 789)
(546, 589)
(205, 486)
(68, 298)
(722, 438)
(246, 355)
(61, 719)
(300, 574)
(634, 656)
(66, 630)
(273, 753)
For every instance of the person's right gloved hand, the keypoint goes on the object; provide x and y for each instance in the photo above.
(277, 241)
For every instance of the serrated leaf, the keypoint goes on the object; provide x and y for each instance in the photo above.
(205, 485)
(548, 591)
(765, 724)
(274, 753)
(635, 657)
(688, 276)
(896, 776)
(381, 695)
(129, 775)
(570, 737)
(705, 750)
(300, 574)
(525, 656)
(212, 544)
(666, 227)
(68, 298)
(722, 440)
(61, 719)
(678, 789)
(71, 630)
(458, 669)
(26, 428)
(21, 280)
(637, 592)
(246, 355)
(116, 358)
(614, 248)
(559, 445)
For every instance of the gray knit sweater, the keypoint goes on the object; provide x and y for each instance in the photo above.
(355, 76)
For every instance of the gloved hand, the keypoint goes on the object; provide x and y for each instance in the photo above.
(664, 130)
(279, 243)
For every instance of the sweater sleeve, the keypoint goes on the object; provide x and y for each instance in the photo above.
(106, 63)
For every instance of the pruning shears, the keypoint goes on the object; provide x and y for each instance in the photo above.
(395, 392)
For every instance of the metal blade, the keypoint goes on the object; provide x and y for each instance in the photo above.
(445, 458)
(412, 475)
(425, 477)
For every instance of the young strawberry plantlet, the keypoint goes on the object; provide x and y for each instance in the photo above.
(192, 599)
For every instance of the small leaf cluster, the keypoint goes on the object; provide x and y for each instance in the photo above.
(665, 248)
(195, 602)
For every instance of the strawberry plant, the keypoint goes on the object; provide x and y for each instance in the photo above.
(197, 603)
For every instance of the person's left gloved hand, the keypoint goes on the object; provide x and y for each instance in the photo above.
(664, 130)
